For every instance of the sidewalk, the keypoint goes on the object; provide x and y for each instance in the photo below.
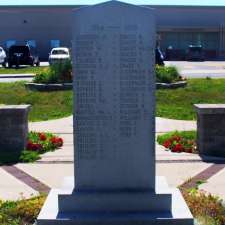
(65, 125)
(25, 75)
(64, 128)
(54, 166)
(8, 78)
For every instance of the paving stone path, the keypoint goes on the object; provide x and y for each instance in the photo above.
(54, 166)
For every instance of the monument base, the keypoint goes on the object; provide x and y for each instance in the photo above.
(53, 214)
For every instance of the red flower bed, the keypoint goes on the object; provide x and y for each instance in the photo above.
(178, 144)
(43, 142)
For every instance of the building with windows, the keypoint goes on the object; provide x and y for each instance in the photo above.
(44, 24)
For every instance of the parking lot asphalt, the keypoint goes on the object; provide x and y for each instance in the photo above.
(213, 69)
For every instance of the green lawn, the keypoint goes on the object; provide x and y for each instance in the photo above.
(178, 103)
(22, 70)
(45, 105)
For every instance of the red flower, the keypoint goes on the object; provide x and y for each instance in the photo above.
(167, 144)
(42, 136)
(29, 145)
(37, 147)
(60, 141)
(177, 148)
(33, 146)
(57, 142)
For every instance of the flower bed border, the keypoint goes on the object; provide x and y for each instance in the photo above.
(69, 86)
(174, 85)
(49, 87)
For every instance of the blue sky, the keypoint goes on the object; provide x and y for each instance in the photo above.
(90, 2)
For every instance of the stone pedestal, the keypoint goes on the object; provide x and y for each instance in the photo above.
(14, 130)
(211, 129)
(114, 125)
(175, 212)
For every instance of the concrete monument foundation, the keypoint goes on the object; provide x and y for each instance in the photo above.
(114, 125)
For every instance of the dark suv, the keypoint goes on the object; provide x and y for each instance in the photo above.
(195, 53)
(22, 55)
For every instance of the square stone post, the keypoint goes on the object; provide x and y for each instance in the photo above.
(211, 129)
(13, 130)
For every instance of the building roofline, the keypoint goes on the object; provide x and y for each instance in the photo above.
(78, 6)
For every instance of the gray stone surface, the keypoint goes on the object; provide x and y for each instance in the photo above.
(210, 108)
(179, 214)
(14, 129)
(114, 124)
(114, 99)
(211, 129)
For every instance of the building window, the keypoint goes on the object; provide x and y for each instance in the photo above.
(31, 43)
(55, 43)
(9, 43)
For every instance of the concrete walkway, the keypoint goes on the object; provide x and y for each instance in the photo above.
(54, 166)
(6, 78)
(65, 125)
(19, 75)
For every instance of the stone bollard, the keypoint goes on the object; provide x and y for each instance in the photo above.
(13, 130)
(211, 129)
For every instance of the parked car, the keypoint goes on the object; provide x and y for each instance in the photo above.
(2, 57)
(159, 58)
(22, 55)
(58, 55)
(195, 53)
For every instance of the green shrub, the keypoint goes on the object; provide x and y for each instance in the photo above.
(43, 77)
(190, 135)
(62, 71)
(22, 212)
(29, 156)
(167, 74)
(206, 208)
(56, 73)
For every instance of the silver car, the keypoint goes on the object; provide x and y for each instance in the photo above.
(2, 57)
(59, 55)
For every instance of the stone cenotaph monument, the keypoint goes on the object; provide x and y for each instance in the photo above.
(114, 126)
